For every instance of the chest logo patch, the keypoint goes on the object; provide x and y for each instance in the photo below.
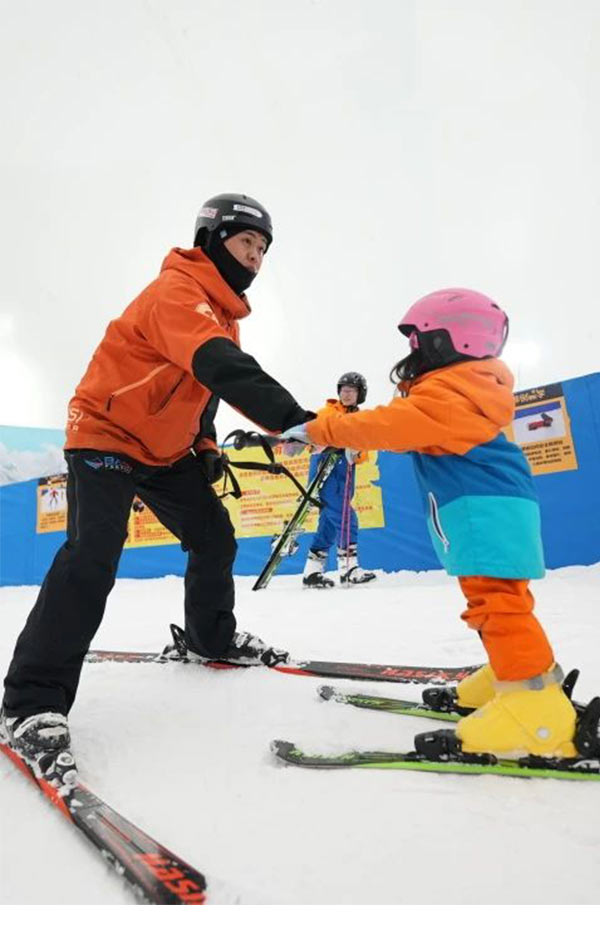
(203, 308)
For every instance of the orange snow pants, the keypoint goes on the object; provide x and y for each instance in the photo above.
(502, 611)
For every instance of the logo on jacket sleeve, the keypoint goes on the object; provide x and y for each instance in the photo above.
(203, 308)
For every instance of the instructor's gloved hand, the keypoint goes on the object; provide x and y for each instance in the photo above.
(210, 463)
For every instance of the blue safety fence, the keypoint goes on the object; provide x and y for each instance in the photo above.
(570, 505)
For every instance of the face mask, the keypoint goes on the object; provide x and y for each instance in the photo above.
(237, 276)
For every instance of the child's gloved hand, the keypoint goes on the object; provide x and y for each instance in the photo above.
(294, 440)
(352, 455)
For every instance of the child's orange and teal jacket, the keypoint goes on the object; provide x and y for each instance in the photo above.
(481, 503)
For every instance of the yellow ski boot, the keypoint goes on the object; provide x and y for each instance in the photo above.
(471, 693)
(477, 689)
(532, 716)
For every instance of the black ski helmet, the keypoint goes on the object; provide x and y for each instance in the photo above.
(354, 379)
(238, 212)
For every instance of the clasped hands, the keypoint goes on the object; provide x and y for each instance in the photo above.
(296, 438)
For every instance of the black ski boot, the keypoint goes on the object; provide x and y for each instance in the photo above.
(244, 650)
(348, 561)
(43, 742)
(30, 735)
(248, 650)
(313, 576)
(357, 576)
(317, 580)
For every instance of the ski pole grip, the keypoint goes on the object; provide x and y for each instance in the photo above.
(242, 438)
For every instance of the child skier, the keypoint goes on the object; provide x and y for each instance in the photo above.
(454, 399)
(337, 518)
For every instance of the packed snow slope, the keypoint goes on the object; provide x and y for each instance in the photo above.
(184, 753)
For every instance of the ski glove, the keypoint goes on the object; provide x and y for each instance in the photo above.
(294, 440)
(210, 463)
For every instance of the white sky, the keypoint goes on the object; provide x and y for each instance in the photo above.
(400, 145)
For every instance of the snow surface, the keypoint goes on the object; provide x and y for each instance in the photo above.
(184, 753)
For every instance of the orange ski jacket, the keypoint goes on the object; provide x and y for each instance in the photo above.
(151, 379)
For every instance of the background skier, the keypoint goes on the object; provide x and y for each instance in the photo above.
(338, 524)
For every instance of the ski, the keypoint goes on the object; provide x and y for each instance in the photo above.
(376, 672)
(529, 767)
(282, 545)
(441, 752)
(383, 704)
(439, 704)
(155, 874)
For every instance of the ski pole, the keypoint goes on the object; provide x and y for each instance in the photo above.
(345, 528)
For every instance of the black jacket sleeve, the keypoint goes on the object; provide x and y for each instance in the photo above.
(207, 436)
(238, 378)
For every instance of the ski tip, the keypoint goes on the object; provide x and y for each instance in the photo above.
(326, 693)
(281, 748)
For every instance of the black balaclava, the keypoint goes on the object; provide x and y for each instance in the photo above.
(235, 274)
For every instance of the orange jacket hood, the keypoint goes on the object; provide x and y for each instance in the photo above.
(196, 264)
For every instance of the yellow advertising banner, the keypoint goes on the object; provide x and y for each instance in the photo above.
(52, 504)
(143, 528)
(267, 503)
(269, 500)
(542, 428)
(368, 498)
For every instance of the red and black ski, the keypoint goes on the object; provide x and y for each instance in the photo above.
(425, 675)
(155, 874)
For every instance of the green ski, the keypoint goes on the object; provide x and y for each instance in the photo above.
(384, 704)
(526, 768)
(438, 703)
(441, 751)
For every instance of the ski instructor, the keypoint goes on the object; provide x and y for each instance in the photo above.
(142, 423)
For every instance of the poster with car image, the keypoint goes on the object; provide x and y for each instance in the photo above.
(542, 428)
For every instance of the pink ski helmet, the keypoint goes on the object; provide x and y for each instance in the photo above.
(476, 326)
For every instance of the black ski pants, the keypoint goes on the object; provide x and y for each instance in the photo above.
(49, 654)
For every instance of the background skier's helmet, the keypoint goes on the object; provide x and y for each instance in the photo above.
(453, 324)
(354, 379)
(232, 213)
